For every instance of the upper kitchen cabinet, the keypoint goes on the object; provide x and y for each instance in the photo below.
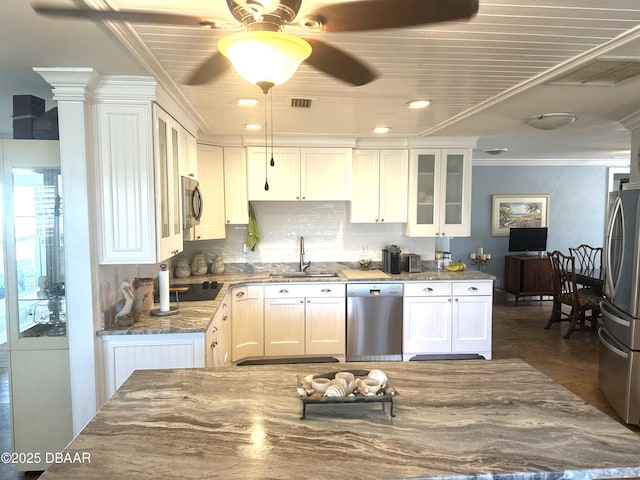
(169, 199)
(299, 174)
(138, 157)
(439, 193)
(379, 186)
(188, 154)
(235, 186)
(210, 169)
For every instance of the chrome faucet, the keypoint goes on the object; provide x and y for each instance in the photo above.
(303, 265)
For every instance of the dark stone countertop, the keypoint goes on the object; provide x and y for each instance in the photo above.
(454, 420)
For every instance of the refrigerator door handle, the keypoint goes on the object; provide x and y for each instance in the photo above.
(611, 315)
(610, 347)
(616, 211)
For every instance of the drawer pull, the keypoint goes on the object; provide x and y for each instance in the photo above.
(427, 289)
(240, 294)
(284, 290)
(326, 290)
(214, 329)
(473, 289)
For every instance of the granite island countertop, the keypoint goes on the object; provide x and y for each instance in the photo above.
(454, 419)
(195, 316)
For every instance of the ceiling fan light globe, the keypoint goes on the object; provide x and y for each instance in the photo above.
(264, 57)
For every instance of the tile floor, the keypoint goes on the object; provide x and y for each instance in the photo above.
(517, 332)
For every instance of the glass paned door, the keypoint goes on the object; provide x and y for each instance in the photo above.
(454, 189)
(39, 252)
(425, 211)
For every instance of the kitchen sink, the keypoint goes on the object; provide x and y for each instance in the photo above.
(302, 274)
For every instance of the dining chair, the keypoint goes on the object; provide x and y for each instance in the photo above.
(588, 258)
(566, 292)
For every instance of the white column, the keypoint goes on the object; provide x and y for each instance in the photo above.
(72, 89)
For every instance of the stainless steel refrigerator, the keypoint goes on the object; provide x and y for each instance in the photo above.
(619, 330)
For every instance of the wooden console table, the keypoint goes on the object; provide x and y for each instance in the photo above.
(527, 276)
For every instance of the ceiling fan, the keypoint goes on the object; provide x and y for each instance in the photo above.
(269, 18)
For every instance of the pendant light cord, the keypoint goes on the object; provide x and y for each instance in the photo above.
(273, 163)
(266, 150)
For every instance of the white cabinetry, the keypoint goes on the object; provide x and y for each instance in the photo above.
(235, 186)
(299, 173)
(169, 198)
(139, 198)
(447, 318)
(211, 179)
(439, 193)
(217, 340)
(247, 324)
(125, 353)
(379, 186)
(304, 319)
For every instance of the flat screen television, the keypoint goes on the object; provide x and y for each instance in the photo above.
(528, 239)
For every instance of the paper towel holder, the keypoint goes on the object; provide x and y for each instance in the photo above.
(158, 312)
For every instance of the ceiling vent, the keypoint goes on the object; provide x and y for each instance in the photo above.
(301, 102)
(603, 71)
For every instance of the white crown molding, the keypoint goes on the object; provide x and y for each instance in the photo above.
(70, 84)
(551, 162)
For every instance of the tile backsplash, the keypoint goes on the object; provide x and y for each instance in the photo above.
(328, 235)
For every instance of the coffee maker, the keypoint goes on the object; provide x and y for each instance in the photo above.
(391, 259)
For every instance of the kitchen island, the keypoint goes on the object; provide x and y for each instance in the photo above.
(454, 419)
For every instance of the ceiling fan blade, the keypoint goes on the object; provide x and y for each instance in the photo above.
(133, 16)
(214, 66)
(339, 64)
(381, 14)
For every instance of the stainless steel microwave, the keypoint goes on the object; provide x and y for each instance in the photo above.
(191, 203)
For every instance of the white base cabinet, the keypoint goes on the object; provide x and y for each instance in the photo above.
(447, 318)
(125, 353)
(247, 322)
(304, 319)
(217, 340)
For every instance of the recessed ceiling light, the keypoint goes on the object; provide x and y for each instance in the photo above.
(247, 102)
(253, 126)
(414, 104)
(495, 151)
(381, 129)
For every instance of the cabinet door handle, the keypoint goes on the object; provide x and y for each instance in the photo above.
(240, 294)
(214, 344)
(473, 289)
(215, 329)
(284, 290)
(224, 319)
(427, 289)
(224, 305)
(456, 299)
(326, 290)
(308, 300)
(301, 300)
(449, 300)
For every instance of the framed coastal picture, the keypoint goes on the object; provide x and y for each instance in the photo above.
(518, 211)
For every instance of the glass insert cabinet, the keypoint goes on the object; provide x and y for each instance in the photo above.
(439, 193)
(33, 329)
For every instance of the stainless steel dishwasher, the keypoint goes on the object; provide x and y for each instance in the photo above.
(374, 322)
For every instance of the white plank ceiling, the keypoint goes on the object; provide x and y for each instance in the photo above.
(483, 76)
